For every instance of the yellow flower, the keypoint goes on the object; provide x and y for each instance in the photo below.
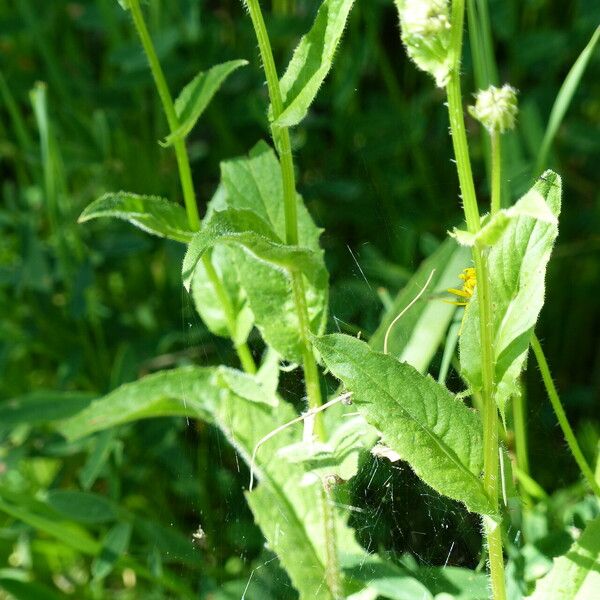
(469, 279)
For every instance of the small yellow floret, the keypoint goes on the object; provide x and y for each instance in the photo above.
(469, 278)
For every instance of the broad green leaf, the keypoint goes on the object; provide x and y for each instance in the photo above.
(563, 99)
(42, 406)
(416, 337)
(576, 575)
(517, 267)
(288, 511)
(312, 61)
(246, 386)
(114, 544)
(187, 392)
(245, 229)
(149, 213)
(454, 582)
(206, 299)
(254, 183)
(418, 418)
(196, 96)
(83, 507)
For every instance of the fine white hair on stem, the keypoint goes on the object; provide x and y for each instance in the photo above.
(387, 333)
(343, 398)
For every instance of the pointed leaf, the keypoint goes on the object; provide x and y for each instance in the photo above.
(196, 96)
(312, 61)
(114, 545)
(576, 575)
(517, 266)
(418, 418)
(149, 213)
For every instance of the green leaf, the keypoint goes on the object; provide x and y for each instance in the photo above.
(253, 184)
(563, 99)
(207, 301)
(246, 229)
(83, 507)
(312, 61)
(114, 545)
(576, 575)
(42, 406)
(187, 392)
(39, 516)
(246, 386)
(454, 582)
(517, 266)
(27, 590)
(416, 337)
(151, 214)
(418, 418)
(288, 511)
(196, 96)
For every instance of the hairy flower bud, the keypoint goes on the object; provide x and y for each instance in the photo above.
(425, 31)
(496, 108)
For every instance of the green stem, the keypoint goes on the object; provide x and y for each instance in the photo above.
(185, 176)
(520, 431)
(496, 170)
(562, 417)
(490, 416)
(281, 137)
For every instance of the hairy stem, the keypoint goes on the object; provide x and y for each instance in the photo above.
(562, 417)
(496, 170)
(185, 177)
(281, 137)
(490, 416)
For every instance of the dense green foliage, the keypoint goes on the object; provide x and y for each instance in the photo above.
(126, 429)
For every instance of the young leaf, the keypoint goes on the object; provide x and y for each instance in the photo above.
(416, 337)
(196, 96)
(576, 575)
(418, 418)
(150, 213)
(517, 266)
(312, 61)
(247, 230)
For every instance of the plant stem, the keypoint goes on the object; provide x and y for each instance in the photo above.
(185, 177)
(281, 137)
(520, 431)
(562, 417)
(490, 416)
(496, 170)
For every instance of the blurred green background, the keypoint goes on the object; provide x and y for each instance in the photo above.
(86, 308)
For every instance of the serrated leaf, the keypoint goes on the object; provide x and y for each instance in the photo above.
(311, 61)
(576, 575)
(151, 214)
(245, 229)
(418, 418)
(196, 96)
(517, 266)
(416, 337)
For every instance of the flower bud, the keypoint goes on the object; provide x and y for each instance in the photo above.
(425, 32)
(496, 108)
